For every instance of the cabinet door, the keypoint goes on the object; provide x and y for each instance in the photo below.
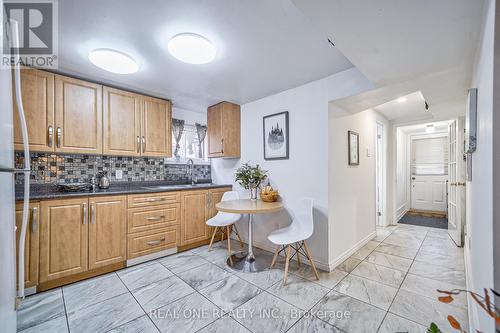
(214, 130)
(156, 127)
(121, 122)
(63, 238)
(107, 231)
(194, 210)
(78, 109)
(37, 90)
(31, 243)
(231, 128)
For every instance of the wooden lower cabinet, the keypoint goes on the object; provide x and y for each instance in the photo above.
(63, 238)
(31, 243)
(107, 231)
(193, 220)
(197, 207)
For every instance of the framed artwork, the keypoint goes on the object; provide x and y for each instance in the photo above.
(276, 136)
(353, 147)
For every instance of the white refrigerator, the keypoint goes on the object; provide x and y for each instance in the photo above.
(10, 90)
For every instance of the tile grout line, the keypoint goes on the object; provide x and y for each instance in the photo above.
(65, 310)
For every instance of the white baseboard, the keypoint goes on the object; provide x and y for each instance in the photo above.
(471, 305)
(340, 259)
(151, 256)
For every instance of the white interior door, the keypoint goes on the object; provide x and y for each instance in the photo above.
(428, 192)
(456, 186)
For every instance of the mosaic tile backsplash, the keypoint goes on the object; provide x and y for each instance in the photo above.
(49, 168)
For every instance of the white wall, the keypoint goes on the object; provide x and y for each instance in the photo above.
(479, 240)
(306, 173)
(352, 196)
(190, 117)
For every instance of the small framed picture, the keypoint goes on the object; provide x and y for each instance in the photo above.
(353, 147)
(276, 136)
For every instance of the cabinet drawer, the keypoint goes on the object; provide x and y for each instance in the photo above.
(153, 199)
(157, 217)
(152, 241)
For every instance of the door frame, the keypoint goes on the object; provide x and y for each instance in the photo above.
(380, 175)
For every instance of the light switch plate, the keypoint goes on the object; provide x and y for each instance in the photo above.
(119, 174)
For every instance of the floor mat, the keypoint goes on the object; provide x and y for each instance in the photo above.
(434, 222)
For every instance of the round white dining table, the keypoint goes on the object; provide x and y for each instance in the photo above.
(247, 261)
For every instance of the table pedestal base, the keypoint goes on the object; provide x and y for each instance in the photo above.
(244, 263)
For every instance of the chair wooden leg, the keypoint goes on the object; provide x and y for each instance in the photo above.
(222, 234)
(310, 260)
(238, 235)
(212, 240)
(287, 261)
(275, 256)
(229, 243)
(298, 254)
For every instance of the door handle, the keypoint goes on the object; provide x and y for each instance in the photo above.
(92, 213)
(59, 137)
(222, 146)
(138, 144)
(143, 144)
(34, 221)
(84, 213)
(413, 178)
(50, 132)
(460, 184)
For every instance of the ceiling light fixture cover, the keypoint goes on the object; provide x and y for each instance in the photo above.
(402, 99)
(192, 48)
(113, 61)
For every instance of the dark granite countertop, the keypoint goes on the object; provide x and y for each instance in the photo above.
(50, 191)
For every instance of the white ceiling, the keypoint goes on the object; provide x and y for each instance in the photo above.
(403, 46)
(439, 127)
(413, 108)
(264, 47)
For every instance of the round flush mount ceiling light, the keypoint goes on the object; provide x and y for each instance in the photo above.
(402, 99)
(192, 48)
(113, 61)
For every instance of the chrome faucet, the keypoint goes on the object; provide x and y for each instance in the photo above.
(190, 167)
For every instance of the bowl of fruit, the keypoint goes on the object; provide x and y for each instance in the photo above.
(268, 194)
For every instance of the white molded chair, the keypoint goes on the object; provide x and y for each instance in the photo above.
(294, 236)
(224, 222)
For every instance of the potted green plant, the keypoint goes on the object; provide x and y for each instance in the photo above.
(250, 177)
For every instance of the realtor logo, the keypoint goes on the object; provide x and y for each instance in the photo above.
(37, 33)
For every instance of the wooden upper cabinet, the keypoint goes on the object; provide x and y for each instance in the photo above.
(37, 89)
(156, 127)
(31, 242)
(63, 238)
(121, 122)
(223, 122)
(193, 219)
(107, 231)
(78, 113)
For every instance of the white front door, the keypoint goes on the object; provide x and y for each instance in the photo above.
(428, 192)
(456, 186)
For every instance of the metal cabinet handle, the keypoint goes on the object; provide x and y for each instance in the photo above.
(34, 221)
(156, 242)
(59, 137)
(155, 218)
(138, 144)
(50, 131)
(222, 146)
(92, 213)
(143, 144)
(155, 199)
(84, 213)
